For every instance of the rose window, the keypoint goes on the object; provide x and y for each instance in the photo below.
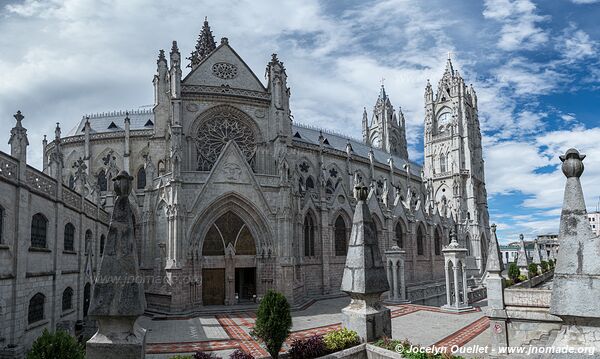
(215, 133)
(224, 70)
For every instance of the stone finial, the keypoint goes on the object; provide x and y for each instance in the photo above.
(361, 192)
(224, 41)
(576, 283)
(494, 262)
(19, 117)
(522, 258)
(123, 183)
(57, 131)
(453, 241)
(572, 163)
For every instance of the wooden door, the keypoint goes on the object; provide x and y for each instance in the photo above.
(213, 286)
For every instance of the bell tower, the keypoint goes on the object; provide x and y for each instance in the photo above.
(453, 163)
(386, 130)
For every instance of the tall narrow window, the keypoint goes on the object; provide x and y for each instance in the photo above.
(67, 299)
(102, 240)
(310, 184)
(438, 242)
(399, 239)
(88, 241)
(420, 239)
(69, 237)
(72, 182)
(309, 236)
(141, 178)
(443, 163)
(36, 308)
(39, 225)
(101, 179)
(340, 237)
(1, 225)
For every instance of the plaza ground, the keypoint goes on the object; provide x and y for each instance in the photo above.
(224, 333)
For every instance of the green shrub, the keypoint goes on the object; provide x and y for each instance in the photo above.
(508, 283)
(59, 344)
(273, 321)
(522, 278)
(404, 349)
(513, 272)
(532, 270)
(181, 357)
(551, 263)
(341, 339)
(544, 266)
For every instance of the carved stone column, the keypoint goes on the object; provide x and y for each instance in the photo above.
(456, 255)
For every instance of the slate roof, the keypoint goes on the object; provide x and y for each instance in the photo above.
(307, 134)
(102, 122)
(144, 119)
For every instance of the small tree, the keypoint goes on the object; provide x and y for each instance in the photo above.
(532, 270)
(544, 265)
(273, 322)
(513, 272)
(56, 345)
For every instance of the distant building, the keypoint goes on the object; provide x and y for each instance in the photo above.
(594, 218)
(548, 245)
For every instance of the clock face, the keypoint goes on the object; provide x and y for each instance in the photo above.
(444, 119)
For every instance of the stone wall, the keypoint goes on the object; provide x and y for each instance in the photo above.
(25, 271)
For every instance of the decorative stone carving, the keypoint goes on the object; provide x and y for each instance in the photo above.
(224, 70)
(191, 107)
(232, 171)
(214, 134)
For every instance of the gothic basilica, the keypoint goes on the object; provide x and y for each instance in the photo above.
(233, 198)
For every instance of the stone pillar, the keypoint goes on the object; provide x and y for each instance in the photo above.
(522, 257)
(118, 292)
(448, 295)
(496, 311)
(364, 276)
(396, 277)
(453, 253)
(576, 286)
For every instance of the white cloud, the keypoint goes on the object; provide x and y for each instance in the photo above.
(575, 44)
(585, 1)
(519, 21)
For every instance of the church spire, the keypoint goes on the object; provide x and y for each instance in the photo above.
(205, 45)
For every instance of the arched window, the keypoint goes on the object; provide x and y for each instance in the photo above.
(399, 239)
(102, 240)
(468, 244)
(228, 229)
(443, 163)
(39, 225)
(309, 236)
(437, 242)
(101, 179)
(69, 237)
(161, 167)
(36, 308)
(420, 239)
(310, 184)
(72, 182)
(340, 237)
(88, 241)
(67, 299)
(141, 178)
(86, 298)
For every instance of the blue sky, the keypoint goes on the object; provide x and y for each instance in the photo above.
(534, 65)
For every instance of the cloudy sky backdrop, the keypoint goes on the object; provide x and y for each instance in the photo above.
(534, 64)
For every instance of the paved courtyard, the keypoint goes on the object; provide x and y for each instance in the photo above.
(224, 333)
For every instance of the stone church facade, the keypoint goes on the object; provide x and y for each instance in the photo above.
(233, 198)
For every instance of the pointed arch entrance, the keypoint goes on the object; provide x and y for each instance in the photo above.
(229, 268)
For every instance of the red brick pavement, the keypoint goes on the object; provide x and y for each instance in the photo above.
(465, 335)
(240, 339)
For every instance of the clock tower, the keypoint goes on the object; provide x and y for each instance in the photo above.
(453, 165)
